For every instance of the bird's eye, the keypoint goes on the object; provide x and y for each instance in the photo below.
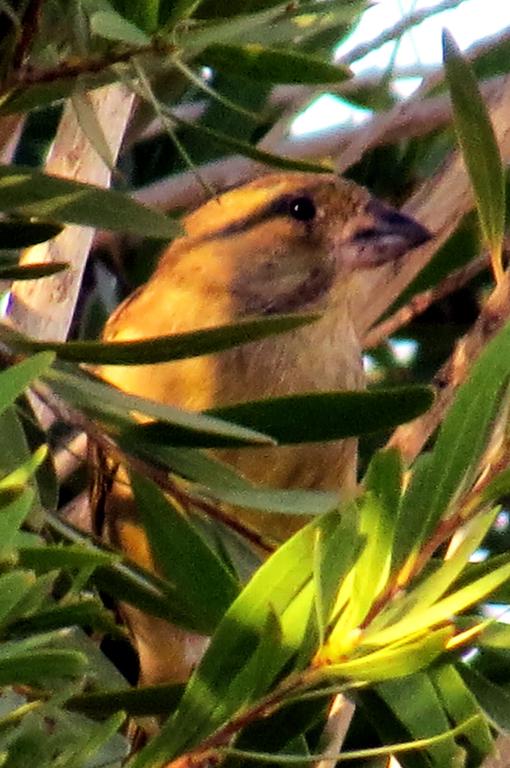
(302, 208)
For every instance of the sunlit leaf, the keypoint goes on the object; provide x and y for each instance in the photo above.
(443, 610)
(226, 678)
(393, 660)
(479, 145)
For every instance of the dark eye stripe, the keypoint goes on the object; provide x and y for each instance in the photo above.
(280, 206)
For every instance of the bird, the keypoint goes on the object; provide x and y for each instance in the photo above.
(286, 242)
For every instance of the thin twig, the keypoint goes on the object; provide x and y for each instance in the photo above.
(407, 22)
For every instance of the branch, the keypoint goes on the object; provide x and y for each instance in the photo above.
(405, 23)
(440, 204)
(44, 308)
(410, 438)
(419, 303)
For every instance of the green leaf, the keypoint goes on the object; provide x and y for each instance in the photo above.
(437, 584)
(321, 416)
(72, 557)
(32, 271)
(13, 588)
(112, 26)
(20, 233)
(15, 455)
(460, 704)
(287, 502)
(150, 700)
(12, 515)
(16, 379)
(492, 698)
(227, 678)
(184, 557)
(225, 141)
(90, 125)
(190, 463)
(416, 704)
(107, 403)
(87, 613)
(450, 469)
(37, 665)
(28, 192)
(92, 751)
(161, 348)
(253, 61)
(281, 23)
(372, 570)
(393, 660)
(478, 142)
(124, 581)
(441, 611)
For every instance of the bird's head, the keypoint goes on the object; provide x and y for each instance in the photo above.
(287, 240)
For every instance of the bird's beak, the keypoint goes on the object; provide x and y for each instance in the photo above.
(384, 234)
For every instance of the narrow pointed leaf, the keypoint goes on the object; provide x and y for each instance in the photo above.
(30, 192)
(444, 474)
(225, 141)
(90, 125)
(438, 583)
(477, 140)
(14, 380)
(214, 692)
(441, 611)
(253, 61)
(324, 416)
(20, 233)
(37, 665)
(112, 26)
(162, 348)
(12, 516)
(105, 402)
(151, 700)
(392, 661)
(184, 557)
